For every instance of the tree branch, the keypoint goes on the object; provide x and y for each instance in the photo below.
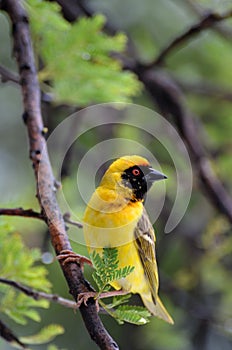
(169, 98)
(72, 222)
(7, 75)
(7, 334)
(42, 168)
(39, 295)
(42, 295)
(29, 213)
(206, 22)
(220, 28)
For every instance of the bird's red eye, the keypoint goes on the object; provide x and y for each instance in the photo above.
(136, 172)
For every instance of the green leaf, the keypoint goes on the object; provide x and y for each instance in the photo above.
(106, 268)
(45, 335)
(19, 307)
(118, 300)
(132, 314)
(17, 262)
(107, 271)
(100, 284)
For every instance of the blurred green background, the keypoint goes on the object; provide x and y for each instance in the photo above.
(194, 260)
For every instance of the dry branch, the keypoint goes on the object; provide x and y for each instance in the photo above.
(42, 168)
(28, 213)
(170, 101)
(206, 22)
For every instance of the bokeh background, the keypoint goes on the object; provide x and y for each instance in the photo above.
(193, 85)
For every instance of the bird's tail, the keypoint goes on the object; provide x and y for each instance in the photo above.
(157, 309)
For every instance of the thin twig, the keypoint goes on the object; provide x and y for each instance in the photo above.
(39, 295)
(43, 171)
(208, 21)
(7, 75)
(29, 213)
(7, 334)
(220, 28)
(72, 222)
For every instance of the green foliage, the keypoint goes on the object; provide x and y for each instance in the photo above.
(132, 314)
(78, 58)
(19, 307)
(20, 264)
(119, 300)
(107, 271)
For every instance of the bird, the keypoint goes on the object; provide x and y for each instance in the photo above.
(115, 217)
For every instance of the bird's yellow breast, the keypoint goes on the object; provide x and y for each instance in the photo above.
(109, 221)
(115, 228)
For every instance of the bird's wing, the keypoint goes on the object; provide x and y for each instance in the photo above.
(145, 242)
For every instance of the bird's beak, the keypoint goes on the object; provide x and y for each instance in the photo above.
(154, 175)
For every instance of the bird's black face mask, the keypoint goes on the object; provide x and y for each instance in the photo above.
(140, 179)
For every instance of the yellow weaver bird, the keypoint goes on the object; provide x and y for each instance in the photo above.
(116, 217)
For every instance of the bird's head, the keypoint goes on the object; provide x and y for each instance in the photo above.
(132, 176)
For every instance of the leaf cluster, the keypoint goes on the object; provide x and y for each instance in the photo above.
(20, 264)
(107, 270)
(133, 314)
(78, 58)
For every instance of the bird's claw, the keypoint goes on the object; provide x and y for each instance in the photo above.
(68, 256)
(84, 297)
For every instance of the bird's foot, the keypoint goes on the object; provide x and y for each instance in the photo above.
(68, 256)
(83, 297)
